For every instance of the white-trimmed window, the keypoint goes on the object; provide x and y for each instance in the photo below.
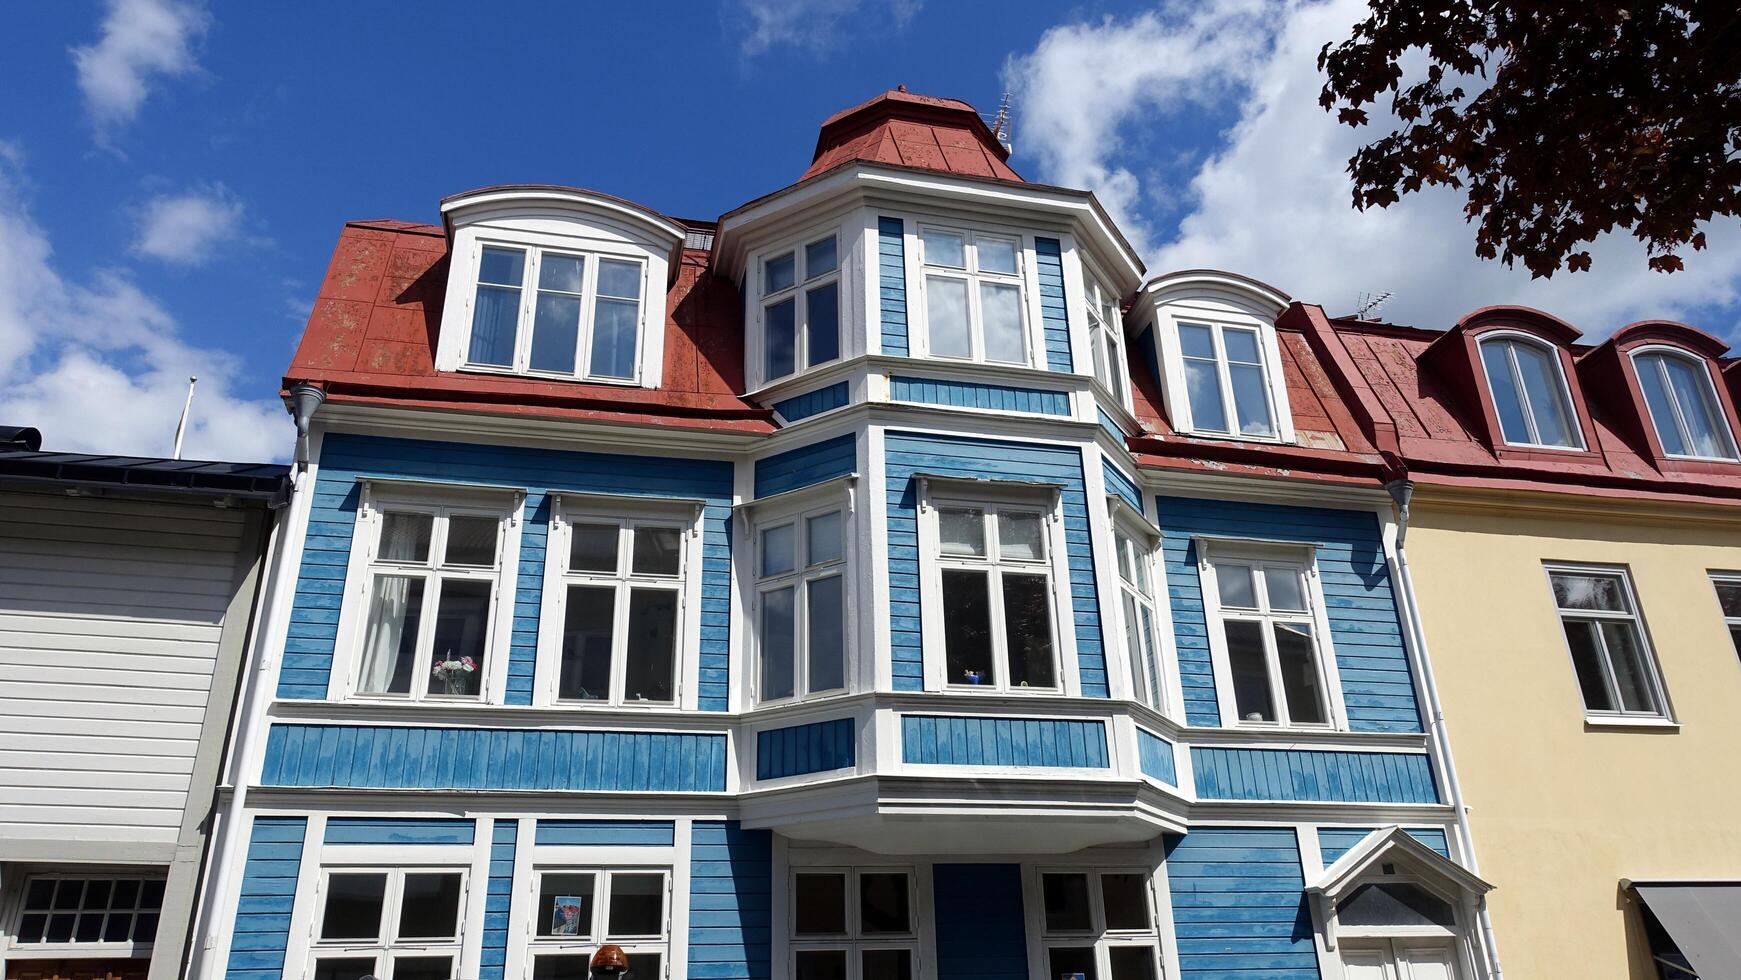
(1529, 392)
(549, 311)
(431, 591)
(579, 909)
(800, 290)
(800, 605)
(975, 302)
(91, 914)
(1268, 636)
(1137, 611)
(1616, 671)
(853, 924)
(1099, 924)
(1227, 382)
(616, 591)
(1729, 600)
(394, 923)
(1683, 404)
(1106, 339)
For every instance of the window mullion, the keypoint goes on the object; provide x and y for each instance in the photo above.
(1674, 401)
(999, 640)
(1273, 661)
(1224, 378)
(620, 640)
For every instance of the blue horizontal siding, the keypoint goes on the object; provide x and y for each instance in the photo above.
(970, 394)
(268, 896)
(911, 452)
(1118, 482)
(344, 458)
(794, 751)
(1054, 320)
(1112, 428)
(800, 407)
(1295, 775)
(492, 759)
(730, 900)
(498, 900)
(411, 830)
(1239, 905)
(947, 740)
(981, 931)
(1333, 842)
(1377, 686)
(806, 465)
(607, 833)
(1155, 757)
(892, 286)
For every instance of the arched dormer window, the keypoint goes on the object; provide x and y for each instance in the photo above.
(1682, 400)
(1221, 367)
(1529, 392)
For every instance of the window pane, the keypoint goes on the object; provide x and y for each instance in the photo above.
(587, 626)
(1133, 647)
(31, 928)
(1283, 588)
(646, 966)
(1250, 400)
(353, 906)
(1000, 307)
(966, 627)
(778, 545)
(1631, 674)
(1114, 362)
(471, 541)
(502, 266)
(996, 255)
(1394, 903)
(820, 904)
(822, 324)
(779, 273)
(565, 905)
(555, 332)
(1299, 671)
(1153, 659)
(1196, 340)
(619, 279)
(422, 967)
(118, 928)
(1126, 900)
(390, 643)
(887, 964)
(561, 273)
(1507, 403)
(822, 533)
(1245, 660)
(652, 644)
(658, 550)
(344, 967)
(780, 338)
(1600, 592)
(1020, 537)
(884, 904)
(405, 537)
(566, 966)
(944, 248)
(89, 928)
(40, 893)
(593, 548)
(819, 258)
(820, 964)
(129, 892)
(429, 907)
(1071, 962)
(961, 531)
(69, 893)
(1707, 431)
(1587, 661)
(613, 337)
(1729, 597)
(462, 627)
(1235, 585)
(1547, 399)
(1066, 901)
(827, 653)
(495, 318)
(1241, 346)
(946, 315)
(145, 928)
(1203, 386)
(777, 643)
(1657, 399)
(1027, 611)
(60, 928)
(1132, 962)
(637, 905)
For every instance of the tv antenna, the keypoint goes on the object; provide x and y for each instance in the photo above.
(1000, 124)
(1369, 303)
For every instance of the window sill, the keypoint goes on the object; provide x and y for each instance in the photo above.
(1612, 723)
(541, 376)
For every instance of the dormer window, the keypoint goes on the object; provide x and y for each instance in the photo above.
(800, 308)
(582, 320)
(1220, 355)
(974, 306)
(1683, 404)
(1225, 379)
(1529, 393)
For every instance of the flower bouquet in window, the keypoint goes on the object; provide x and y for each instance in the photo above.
(455, 675)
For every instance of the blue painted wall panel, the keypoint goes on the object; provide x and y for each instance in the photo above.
(1112, 428)
(892, 284)
(730, 900)
(308, 657)
(1333, 842)
(1054, 319)
(794, 751)
(267, 899)
(912, 452)
(384, 830)
(492, 758)
(955, 741)
(1239, 905)
(1377, 687)
(981, 931)
(1121, 484)
(1146, 343)
(607, 833)
(498, 901)
(1155, 757)
(810, 403)
(970, 394)
(1312, 776)
(806, 465)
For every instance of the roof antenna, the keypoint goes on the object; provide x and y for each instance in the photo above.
(1000, 126)
(181, 426)
(1369, 303)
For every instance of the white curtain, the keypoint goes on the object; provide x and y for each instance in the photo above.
(387, 614)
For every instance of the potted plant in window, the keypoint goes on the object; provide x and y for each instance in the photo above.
(455, 675)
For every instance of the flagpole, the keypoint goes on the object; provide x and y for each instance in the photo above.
(181, 426)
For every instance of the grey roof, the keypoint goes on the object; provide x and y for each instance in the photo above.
(262, 480)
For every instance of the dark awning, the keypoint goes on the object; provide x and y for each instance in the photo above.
(1704, 919)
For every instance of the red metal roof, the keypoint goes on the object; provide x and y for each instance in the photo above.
(917, 131)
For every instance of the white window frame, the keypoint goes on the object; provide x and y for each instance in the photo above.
(528, 308)
(1303, 559)
(1098, 937)
(375, 500)
(626, 513)
(532, 945)
(1678, 421)
(918, 291)
(1656, 688)
(1107, 343)
(384, 947)
(937, 495)
(799, 579)
(1135, 545)
(803, 283)
(853, 942)
(1270, 368)
(1564, 392)
(72, 949)
(1730, 623)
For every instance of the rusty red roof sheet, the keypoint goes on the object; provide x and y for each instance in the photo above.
(917, 131)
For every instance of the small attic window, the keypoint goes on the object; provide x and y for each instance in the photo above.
(1220, 358)
(1529, 392)
(1683, 404)
(1394, 904)
(581, 321)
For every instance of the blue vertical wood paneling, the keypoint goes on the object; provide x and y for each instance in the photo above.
(1055, 322)
(1117, 482)
(396, 830)
(1155, 757)
(822, 746)
(1298, 775)
(911, 452)
(1239, 905)
(981, 931)
(308, 652)
(1377, 687)
(730, 900)
(806, 465)
(949, 740)
(892, 284)
(399, 757)
(267, 899)
(800, 407)
(972, 394)
(607, 833)
(1333, 842)
(498, 900)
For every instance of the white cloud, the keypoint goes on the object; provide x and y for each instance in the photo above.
(1272, 199)
(141, 39)
(811, 25)
(187, 228)
(101, 366)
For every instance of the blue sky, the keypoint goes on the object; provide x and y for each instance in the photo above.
(173, 175)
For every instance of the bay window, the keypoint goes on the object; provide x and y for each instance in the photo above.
(1616, 672)
(975, 306)
(570, 314)
(1099, 924)
(853, 924)
(1684, 409)
(578, 910)
(390, 923)
(1529, 392)
(800, 606)
(800, 291)
(1106, 338)
(1268, 639)
(1137, 610)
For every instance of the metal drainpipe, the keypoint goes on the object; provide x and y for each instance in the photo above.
(1402, 491)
